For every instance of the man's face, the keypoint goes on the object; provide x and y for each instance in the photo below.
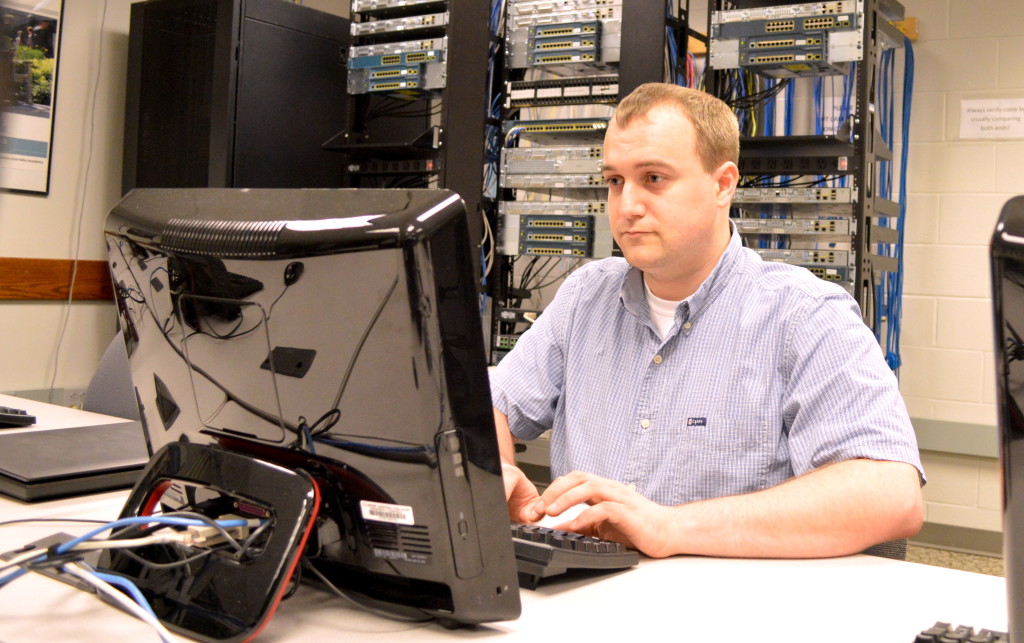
(668, 214)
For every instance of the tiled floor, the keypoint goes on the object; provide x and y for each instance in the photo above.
(954, 560)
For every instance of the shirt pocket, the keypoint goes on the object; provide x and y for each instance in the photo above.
(720, 455)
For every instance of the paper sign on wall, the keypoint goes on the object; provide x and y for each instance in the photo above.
(992, 118)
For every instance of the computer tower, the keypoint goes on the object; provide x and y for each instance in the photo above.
(234, 93)
(1008, 301)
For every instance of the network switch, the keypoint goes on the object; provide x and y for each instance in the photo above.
(526, 20)
(549, 212)
(397, 25)
(404, 166)
(806, 257)
(544, 7)
(370, 6)
(550, 181)
(816, 227)
(563, 131)
(793, 195)
(552, 160)
(811, 39)
(595, 43)
(423, 46)
(408, 78)
(549, 234)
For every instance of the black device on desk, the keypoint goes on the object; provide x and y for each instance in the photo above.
(1008, 302)
(336, 331)
(12, 417)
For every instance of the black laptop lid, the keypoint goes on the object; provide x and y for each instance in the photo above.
(37, 465)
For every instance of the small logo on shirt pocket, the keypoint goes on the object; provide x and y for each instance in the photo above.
(696, 421)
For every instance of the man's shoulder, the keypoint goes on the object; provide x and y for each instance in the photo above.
(601, 273)
(787, 280)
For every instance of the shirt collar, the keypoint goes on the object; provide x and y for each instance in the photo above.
(634, 298)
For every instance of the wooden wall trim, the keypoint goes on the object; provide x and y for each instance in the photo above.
(49, 279)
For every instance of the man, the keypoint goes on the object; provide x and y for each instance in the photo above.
(702, 401)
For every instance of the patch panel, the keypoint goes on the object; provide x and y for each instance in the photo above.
(396, 25)
(567, 91)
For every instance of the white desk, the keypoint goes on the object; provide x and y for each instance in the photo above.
(855, 599)
(858, 599)
(52, 416)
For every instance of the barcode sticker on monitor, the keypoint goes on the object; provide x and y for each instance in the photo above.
(383, 512)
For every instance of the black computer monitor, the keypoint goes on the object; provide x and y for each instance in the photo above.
(1008, 304)
(336, 331)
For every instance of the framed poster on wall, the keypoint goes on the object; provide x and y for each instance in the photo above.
(28, 76)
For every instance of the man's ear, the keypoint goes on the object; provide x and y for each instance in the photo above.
(726, 177)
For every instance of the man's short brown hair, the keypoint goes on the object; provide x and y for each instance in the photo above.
(718, 134)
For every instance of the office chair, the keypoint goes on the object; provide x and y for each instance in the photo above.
(110, 390)
(896, 549)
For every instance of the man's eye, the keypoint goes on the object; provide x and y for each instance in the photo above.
(654, 178)
(612, 180)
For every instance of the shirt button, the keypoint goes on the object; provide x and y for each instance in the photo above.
(658, 359)
(687, 325)
(631, 486)
(645, 423)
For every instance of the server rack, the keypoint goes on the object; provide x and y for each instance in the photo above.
(606, 53)
(857, 150)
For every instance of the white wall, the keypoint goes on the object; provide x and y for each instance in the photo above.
(85, 182)
(966, 50)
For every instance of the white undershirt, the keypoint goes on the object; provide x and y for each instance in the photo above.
(663, 311)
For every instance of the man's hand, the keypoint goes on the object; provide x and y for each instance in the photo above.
(616, 512)
(838, 509)
(520, 493)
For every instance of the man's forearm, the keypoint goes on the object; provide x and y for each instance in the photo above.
(836, 510)
(506, 445)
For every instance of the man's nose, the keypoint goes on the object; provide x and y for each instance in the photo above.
(631, 201)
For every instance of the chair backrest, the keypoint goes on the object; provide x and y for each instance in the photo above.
(110, 390)
(890, 549)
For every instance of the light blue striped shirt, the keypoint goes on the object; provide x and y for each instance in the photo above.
(767, 373)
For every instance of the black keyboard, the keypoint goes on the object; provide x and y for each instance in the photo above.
(947, 633)
(10, 417)
(542, 552)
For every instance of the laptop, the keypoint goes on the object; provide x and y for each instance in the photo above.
(54, 463)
